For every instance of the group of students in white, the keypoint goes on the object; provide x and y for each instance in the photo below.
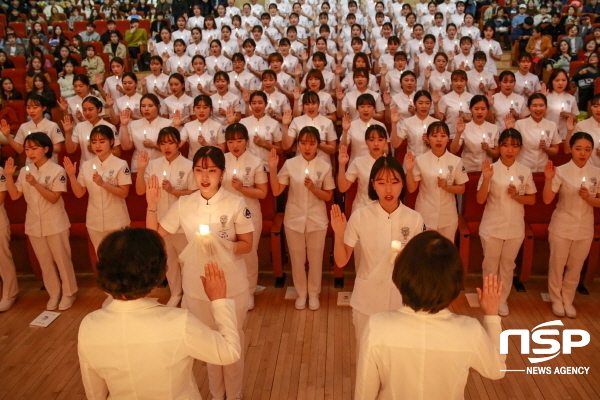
(238, 124)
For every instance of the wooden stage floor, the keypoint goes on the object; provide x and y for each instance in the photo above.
(290, 354)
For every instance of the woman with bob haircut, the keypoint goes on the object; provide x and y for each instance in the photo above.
(137, 348)
(571, 228)
(47, 225)
(439, 175)
(177, 180)
(228, 216)
(505, 187)
(311, 184)
(373, 227)
(429, 275)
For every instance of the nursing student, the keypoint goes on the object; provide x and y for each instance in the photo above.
(176, 179)
(129, 100)
(454, 105)
(229, 218)
(72, 105)
(374, 227)
(311, 186)
(35, 108)
(204, 130)
(440, 175)
(353, 132)
(245, 176)
(359, 169)
(414, 128)
(478, 138)
(8, 273)
(79, 134)
(505, 187)
(540, 136)
(142, 134)
(571, 228)
(46, 222)
(591, 126)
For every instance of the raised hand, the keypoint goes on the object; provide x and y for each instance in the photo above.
(273, 160)
(346, 122)
(153, 192)
(143, 160)
(62, 103)
(395, 115)
(297, 93)
(67, 123)
(487, 169)
(70, 167)
(489, 297)
(549, 170)
(286, 119)
(460, 126)
(10, 167)
(436, 96)
(509, 121)
(110, 101)
(214, 282)
(387, 98)
(409, 161)
(339, 92)
(570, 123)
(5, 127)
(338, 220)
(343, 156)
(125, 116)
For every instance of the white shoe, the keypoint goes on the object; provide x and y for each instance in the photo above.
(259, 289)
(6, 304)
(250, 302)
(174, 301)
(66, 302)
(313, 303)
(136, 68)
(570, 311)
(503, 309)
(106, 302)
(52, 304)
(300, 303)
(558, 310)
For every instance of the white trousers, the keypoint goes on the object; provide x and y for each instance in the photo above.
(251, 259)
(449, 232)
(566, 261)
(223, 380)
(97, 237)
(174, 245)
(360, 322)
(499, 259)
(54, 252)
(8, 273)
(300, 245)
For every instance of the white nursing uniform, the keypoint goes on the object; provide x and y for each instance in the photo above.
(412, 130)
(140, 130)
(8, 273)
(46, 126)
(450, 105)
(81, 136)
(471, 139)
(323, 124)
(267, 129)
(531, 155)
(356, 137)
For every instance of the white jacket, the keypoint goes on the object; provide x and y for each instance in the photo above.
(140, 349)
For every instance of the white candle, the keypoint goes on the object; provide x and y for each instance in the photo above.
(88, 139)
(164, 174)
(306, 171)
(236, 77)
(430, 63)
(94, 167)
(144, 134)
(77, 107)
(396, 245)
(466, 63)
(127, 105)
(512, 179)
(460, 106)
(443, 81)
(28, 133)
(543, 135)
(27, 168)
(562, 107)
(204, 230)
(512, 103)
(219, 103)
(424, 128)
(583, 182)
(481, 79)
(178, 63)
(525, 82)
(200, 129)
(484, 137)
(155, 82)
(198, 80)
(234, 172)
(441, 172)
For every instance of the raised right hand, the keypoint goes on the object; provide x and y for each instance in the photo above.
(214, 282)
(70, 168)
(489, 296)
(153, 189)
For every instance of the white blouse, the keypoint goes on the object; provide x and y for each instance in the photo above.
(412, 130)
(212, 131)
(472, 138)
(81, 136)
(557, 103)
(140, 130)
(531, 155)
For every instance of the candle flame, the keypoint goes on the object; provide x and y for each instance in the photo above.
(396, 245)
(27, 168)
(306, 171)
(235, 171)
(441, 171)
(512, 178)
(583, 180)
(204, 230)
(165, 174)
(94, 167)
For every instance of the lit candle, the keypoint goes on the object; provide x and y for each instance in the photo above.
(460, 106)
(443, 81)
(583, 182)
(219, 103)
(269, 102)
(512, 179)
(430, 63)
(127, 105)
(256, 130)
(396, 245)
(466, 63)
(306, 172)
(164, 174)
(236, 77)
(178, 63)
(525, 82)
(481, 79)
(512, 103)
(94, 167)
(424, 128)
(198, 80)
(441, 172)
(562, 107)
(28, 133)
(27, 168)
(77, 107)
(543, 135)
(144, 134)
(203, 230)
(155, 82)
(88, 139)
(234, 172)
(484, 137)
(199, 129)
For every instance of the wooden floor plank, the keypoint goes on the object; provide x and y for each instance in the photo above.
(291, 354)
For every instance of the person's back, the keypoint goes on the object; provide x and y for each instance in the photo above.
(422, 350)
(140, 349)
(418, 355)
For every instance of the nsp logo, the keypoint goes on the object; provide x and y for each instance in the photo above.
(537, 335)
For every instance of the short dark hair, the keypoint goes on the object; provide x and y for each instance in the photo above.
(168, 132)
(104, 131)
(428, 272)
(42, 140)
(131, 262)
(510, 134)
(236, 131)
(581, 135)
(215, 154)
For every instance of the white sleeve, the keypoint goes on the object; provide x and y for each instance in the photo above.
(220, 346)
(367, 374)
(487, 359)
